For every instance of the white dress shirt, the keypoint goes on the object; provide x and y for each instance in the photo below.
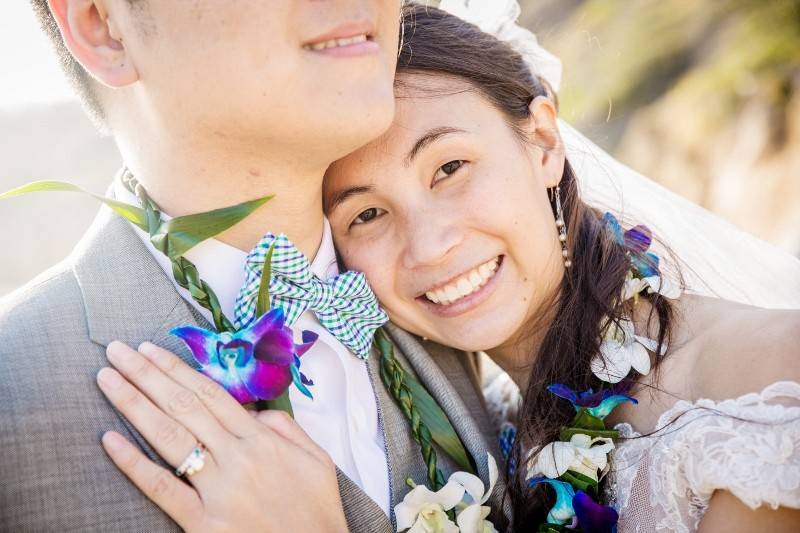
(343, 416)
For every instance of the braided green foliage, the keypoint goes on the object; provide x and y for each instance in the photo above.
(183, 270)
(393, 376)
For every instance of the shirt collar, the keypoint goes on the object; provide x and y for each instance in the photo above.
(222, 265)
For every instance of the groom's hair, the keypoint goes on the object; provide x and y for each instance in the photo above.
(78, 77)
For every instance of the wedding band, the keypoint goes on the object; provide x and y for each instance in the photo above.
(193, 463)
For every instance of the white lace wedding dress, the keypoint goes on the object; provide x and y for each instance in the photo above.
(749, 446)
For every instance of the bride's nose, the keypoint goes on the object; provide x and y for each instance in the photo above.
(430, 239)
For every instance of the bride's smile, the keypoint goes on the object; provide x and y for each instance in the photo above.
(448, 213)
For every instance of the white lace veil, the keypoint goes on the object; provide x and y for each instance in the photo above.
(715, 258)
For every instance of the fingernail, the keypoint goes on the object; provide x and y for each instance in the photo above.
(146, 348)
(113, 441)
(109, 378)
(116, 351)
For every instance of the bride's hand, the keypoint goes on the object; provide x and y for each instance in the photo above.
(261, 473)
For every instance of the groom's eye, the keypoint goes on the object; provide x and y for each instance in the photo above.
(447, 170)
(368, 215)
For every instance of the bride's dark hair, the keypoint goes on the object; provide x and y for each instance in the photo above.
(436, 42)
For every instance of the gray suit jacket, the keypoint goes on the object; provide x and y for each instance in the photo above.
(54, 475)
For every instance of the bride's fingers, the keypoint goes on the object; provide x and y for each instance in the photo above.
(179, 500)
(282, 424)
(222, 405)
(173, 399)
(170, 439)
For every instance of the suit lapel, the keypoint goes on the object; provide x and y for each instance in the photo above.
(443, 373)
(128, 297)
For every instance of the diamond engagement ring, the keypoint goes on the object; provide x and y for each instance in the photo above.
(193, 463)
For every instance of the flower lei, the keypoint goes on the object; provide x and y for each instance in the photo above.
(574, 465)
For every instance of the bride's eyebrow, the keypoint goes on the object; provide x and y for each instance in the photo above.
(429, 137)
(340, 196)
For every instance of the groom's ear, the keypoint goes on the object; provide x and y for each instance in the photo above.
(543, 133)
(91, 31)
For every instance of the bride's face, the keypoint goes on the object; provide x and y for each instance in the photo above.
(447, 214)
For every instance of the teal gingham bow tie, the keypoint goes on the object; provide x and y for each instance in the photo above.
(345, 305)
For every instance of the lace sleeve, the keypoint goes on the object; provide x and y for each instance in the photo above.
(749, 446)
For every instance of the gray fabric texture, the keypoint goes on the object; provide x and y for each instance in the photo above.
(54, 473)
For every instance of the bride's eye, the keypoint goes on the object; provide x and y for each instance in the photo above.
(368, 215)
(447, 170)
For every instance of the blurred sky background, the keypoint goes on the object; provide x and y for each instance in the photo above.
(701, 95)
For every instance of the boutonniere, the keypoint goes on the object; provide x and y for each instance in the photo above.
(461, 499)
(259, 362)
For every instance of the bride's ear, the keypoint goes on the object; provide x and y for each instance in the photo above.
(543, 133)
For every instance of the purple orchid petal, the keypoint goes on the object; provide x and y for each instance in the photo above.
(589, 398)
(638, 238)
(593, 517)
(270, 321)
(613, 224)
(201, 342)
(309, 338)
(562, 391)
(609, 404)
(231, 380)
(305, 381)
(276, 347)
(267, 381)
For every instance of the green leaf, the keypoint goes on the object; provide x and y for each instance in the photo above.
(567, 433)
(442, 431)
(135, 215)
(579, 481)
(263, 303)
(281, 403)
(177, 236)
(584, 420)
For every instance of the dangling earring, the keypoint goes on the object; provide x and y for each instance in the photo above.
(562, 228)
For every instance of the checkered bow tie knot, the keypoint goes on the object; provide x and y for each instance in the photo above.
(345, 305)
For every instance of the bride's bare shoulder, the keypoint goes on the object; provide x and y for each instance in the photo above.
(728, 349)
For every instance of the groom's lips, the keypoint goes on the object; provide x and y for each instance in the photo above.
(346, 40)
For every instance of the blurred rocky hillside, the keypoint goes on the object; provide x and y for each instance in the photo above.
(701, 95)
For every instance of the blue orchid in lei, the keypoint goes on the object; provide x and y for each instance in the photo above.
(576, 509)
(255, 363)
(598, 404)
(638, 240)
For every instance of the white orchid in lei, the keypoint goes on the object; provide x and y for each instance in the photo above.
(425, 511)
(621, 350)
(471, 513)
(652, 284)
(582, 454)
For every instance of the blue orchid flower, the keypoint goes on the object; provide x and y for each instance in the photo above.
(255, 363)
(638, 240)
(562, 512)
(592, 516)
(598, 404)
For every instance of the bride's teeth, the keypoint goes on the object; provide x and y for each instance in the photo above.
(464, 285)
(475, 278)
(452, 293)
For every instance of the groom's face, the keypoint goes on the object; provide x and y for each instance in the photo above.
(271, 70)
